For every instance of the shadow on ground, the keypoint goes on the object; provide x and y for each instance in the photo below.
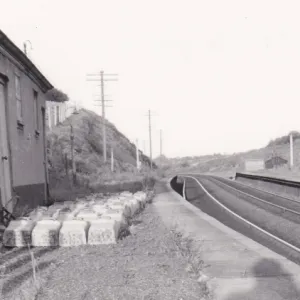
(281, 283)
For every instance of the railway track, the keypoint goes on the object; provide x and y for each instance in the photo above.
(257, 189)
(286, 204)
(282, 243)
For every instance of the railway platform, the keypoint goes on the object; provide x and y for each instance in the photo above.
(236, 266)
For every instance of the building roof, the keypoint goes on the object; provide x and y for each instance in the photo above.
(14, 51)
(277, 157)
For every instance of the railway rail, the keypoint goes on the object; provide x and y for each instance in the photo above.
(285, 205)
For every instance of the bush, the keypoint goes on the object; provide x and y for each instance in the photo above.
(149, 182)
(184, 164)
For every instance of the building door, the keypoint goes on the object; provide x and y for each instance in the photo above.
(45, 155)
(5, 158)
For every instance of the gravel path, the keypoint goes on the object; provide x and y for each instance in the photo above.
(147, 264)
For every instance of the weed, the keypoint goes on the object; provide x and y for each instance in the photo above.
(195, 264)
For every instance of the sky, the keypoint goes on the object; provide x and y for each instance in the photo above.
(219, 76)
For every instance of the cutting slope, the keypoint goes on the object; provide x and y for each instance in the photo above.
(87, 128)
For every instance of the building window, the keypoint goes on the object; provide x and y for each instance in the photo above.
(36, 110)
(18, 98)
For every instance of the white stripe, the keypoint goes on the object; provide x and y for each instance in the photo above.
(183, 190)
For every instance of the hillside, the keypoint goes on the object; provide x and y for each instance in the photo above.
(227, 165)
(88, 153)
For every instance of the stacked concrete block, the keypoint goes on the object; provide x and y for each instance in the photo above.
(38, 213)
(126, 194)
(18, 233)
(93, 220)
(141, 197)
(68, 203)
(134, 205)
(87, 214)
(65, 216)
(58, 205)
(117, 215)
(73, 233)
(79, 205)
(103, 231)
(100, 209)
(52, 212)
(89, 201)
(46, 233)
(120, 205)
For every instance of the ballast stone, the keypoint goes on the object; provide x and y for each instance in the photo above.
(73, 233)
(18, 233)
(46, 233)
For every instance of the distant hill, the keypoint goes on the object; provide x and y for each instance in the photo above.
(87, 127)
(284, 139)
(227, 165)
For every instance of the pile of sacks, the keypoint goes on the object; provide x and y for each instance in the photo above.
(92, 221)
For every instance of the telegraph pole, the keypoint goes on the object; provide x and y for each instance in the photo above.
(160, 147)
(72, 156)
(291, 151)
(103, 100)
(103, 117)
(137, 155)
(150, 138)
(160, 143)
(112, 159)
(149, 115)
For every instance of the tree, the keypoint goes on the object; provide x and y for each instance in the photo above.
(57, 95)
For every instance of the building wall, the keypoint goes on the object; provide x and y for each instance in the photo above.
(27, 148)
(254, 165)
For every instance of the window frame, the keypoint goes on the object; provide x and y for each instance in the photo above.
(18, 96)
(36, 112)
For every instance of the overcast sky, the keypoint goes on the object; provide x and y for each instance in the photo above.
(220, 76)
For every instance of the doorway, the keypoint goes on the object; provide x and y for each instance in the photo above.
(5, 157)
